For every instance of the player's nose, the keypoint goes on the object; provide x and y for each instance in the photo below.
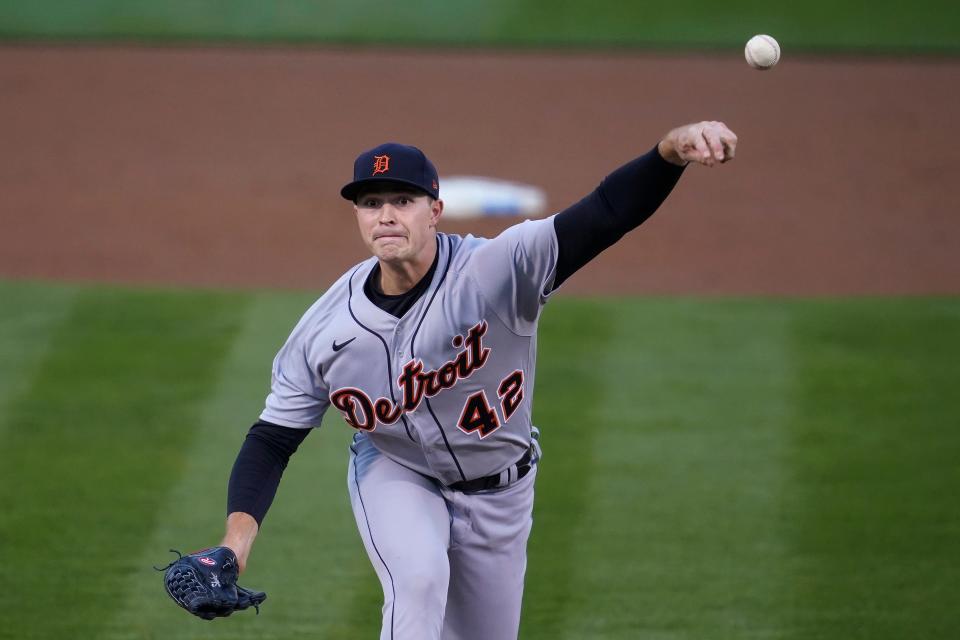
(387, 213)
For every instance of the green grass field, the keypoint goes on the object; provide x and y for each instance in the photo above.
(844, 25)
(713, 468)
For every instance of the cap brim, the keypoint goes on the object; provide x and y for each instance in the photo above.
(352, 190)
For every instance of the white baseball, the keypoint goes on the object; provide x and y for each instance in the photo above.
(762, 52)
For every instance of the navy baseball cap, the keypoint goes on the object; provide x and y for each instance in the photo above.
(392, 162)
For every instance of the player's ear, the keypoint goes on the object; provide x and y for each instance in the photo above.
(436, 211)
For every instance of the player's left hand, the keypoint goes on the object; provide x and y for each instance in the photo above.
(205, 584)
(706, 143)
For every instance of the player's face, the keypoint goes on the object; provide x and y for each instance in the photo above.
(397, 225)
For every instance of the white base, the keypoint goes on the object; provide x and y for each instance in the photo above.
(477, 196)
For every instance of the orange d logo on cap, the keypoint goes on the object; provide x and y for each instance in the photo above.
(381, 164)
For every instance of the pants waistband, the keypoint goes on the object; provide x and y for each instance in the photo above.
(511, 474)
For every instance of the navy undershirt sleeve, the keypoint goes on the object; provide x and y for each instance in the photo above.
(259, 466)
(622, 202)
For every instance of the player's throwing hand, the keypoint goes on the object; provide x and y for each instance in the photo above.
(706, 143)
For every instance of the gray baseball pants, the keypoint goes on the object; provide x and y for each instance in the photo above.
(451, 564)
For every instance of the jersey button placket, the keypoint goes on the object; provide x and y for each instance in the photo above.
(398, 344)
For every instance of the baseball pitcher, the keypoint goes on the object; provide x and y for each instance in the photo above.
(428, 350)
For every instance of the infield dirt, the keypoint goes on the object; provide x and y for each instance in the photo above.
(222, 166)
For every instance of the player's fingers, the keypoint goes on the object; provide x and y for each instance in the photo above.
(703, 154)
(729, 149)
(729, 141)
(712, 136)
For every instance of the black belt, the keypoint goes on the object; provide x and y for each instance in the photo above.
(493, 481)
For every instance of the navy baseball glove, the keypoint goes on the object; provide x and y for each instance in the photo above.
(205, 584)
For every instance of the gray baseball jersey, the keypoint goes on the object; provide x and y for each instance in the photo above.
(445, 390)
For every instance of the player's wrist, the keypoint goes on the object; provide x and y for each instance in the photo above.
(668, 151)
(241, 531)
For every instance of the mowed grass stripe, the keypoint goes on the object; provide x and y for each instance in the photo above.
(308, 557)
(929, 25)
(568, 408)
(695, 407)
(93, 446)
(875, 461)
(29, 316)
